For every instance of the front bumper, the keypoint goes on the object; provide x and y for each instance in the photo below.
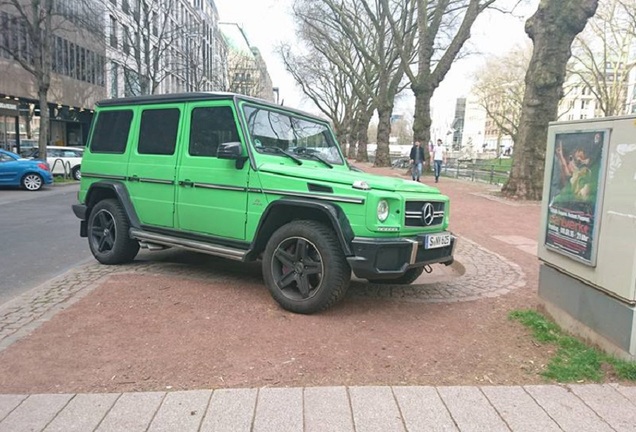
(391, 258)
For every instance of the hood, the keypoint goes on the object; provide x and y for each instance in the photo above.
(346, 177)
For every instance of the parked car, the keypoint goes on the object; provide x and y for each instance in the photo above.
(28, 173)
(63, 160)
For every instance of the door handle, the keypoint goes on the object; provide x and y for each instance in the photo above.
(133, 178)
(186, 183)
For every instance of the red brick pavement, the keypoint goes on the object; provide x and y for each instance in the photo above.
(478, 214)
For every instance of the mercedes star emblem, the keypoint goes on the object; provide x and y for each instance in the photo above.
(428, 214)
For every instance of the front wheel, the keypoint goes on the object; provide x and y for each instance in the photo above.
(108, 237)
(76, 172)
(32, 182)
(407, 278)
(304, 267)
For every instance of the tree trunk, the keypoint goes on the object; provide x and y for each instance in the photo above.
(382, 151)
(552, 29)
(363, 136)
(422, 120)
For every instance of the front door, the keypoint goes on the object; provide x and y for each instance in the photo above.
(211, 192)
(152, 165)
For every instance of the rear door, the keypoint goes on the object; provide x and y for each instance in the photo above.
(152, 164)
(211, 192)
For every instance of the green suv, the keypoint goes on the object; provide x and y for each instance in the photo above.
(244, 179)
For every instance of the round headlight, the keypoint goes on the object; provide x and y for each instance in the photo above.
(383, 210)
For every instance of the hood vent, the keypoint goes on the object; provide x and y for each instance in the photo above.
(313, 187)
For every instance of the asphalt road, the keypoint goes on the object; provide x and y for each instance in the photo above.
(39, 237)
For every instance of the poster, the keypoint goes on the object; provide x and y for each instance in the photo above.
(575, 194)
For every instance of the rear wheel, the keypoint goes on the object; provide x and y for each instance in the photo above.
(304, 267)
(108, 237)
(407, 278)
(32, 182)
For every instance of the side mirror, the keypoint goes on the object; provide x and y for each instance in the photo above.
(232, 150)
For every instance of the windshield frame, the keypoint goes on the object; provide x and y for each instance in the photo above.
(337, 157)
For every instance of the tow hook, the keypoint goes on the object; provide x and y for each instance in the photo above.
(428, 268)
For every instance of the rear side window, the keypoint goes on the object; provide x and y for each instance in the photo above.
(158, 133)
(111, 132)
(209, 127)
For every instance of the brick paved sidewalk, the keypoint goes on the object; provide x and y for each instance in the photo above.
(498, 239)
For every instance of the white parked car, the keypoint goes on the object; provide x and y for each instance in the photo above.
(63, 160)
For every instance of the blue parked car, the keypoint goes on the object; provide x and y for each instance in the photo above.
(30, 174)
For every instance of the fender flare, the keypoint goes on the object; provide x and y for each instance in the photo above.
(278, 214)
(121, 193)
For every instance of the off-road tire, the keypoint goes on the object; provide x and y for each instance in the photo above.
(108, 238)
(308, 251)
(407, 278)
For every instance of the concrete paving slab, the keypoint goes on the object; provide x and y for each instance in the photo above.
(423, 410)
(520, 412)
(181, 411)
(566, 409)
(618, 411)
(230, 411)
(628, 392)
(279, 410)
(9, 402)
(132, 412)
(375, 410)
(34, 413)
(327, 409)
(83, 413)
(471, 410)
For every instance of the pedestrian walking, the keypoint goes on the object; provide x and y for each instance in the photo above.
(439, 157)
(417, 159)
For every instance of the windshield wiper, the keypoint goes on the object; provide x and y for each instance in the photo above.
(281, 151)
(319, 158)
(312, 154)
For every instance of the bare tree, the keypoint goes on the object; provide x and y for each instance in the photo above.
(603, 55)
(27, 37)
(153, 45)
(327, 86)
(552, 28)
(442, 28)
(243, 74)
(367, 26)
(500, 87)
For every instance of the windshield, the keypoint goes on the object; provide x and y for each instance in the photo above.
(305, 138)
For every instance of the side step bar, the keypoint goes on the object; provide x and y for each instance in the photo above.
(193, 245)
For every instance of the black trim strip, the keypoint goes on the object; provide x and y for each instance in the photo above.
(315, 196)
(157, 181)
(104, 176)
(220, 187)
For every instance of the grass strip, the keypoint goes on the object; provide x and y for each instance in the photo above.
(574, 361)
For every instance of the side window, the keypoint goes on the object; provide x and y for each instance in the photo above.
(158, 132)
(209, 127)
(111, 132)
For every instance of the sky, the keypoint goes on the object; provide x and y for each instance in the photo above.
(268, 23)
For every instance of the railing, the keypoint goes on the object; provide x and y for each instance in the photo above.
(66, 165)
(486, 171)
(477, 171)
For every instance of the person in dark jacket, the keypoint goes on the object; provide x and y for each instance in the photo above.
(417, 159)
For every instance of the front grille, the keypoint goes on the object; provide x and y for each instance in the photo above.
(414, 214)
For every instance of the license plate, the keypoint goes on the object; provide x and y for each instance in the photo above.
(434, 241)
